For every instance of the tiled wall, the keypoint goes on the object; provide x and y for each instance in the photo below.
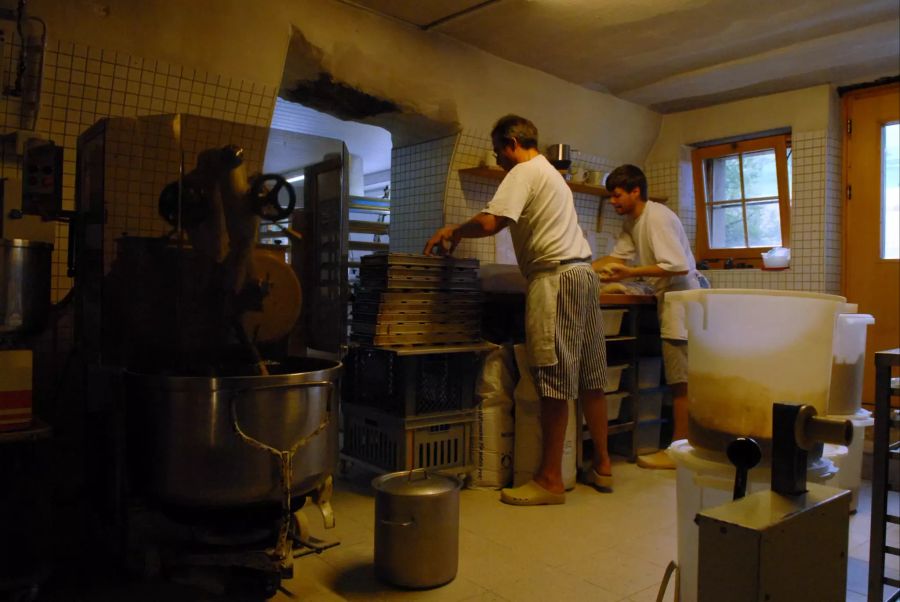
(418, 179)
(833, 227)
(467, 195)
(82, 84)
(815, 216)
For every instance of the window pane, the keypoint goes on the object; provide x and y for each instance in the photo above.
(890, 193)
(726, 178)
(764, 224)
(726, 227)
(760, 179)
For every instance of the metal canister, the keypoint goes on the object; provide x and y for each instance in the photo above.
(24, 285)
(416, 528)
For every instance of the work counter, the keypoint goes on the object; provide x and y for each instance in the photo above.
(627, 300)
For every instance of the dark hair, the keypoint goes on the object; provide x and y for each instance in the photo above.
(627, 177)
(513, 126)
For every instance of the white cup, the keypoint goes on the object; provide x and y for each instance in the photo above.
(490, 160)
(595, 178)
(578, 173)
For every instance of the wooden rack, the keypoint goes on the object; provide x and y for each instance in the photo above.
(885, 451)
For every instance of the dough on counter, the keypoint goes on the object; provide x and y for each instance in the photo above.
(613, 288)
(626, 288)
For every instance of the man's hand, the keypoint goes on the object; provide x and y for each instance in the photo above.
(614, 272)
(443, 242)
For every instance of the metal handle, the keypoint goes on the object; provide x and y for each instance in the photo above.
(303, 440)
(810, 429)
(394, 523)
(282, 550)
(409, 477)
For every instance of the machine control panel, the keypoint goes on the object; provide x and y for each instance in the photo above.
(42, 180)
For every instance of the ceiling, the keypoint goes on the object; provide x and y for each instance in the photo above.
(674, 55)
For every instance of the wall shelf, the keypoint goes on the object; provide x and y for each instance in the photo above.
(498, 174)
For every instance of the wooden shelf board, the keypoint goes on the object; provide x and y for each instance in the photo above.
(498, 174)
(363, 227)
(355, 245)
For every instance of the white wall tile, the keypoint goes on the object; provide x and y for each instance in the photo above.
(83, 84)
(815, 217)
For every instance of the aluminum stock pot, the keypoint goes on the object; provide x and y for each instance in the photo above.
(416, 528)
(24, 284)
(189, 435)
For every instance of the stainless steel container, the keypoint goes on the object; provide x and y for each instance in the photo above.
(559, 152)
(416, 528)
(187, 450)
(24, 285)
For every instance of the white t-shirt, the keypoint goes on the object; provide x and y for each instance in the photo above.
(658, 238)
(544, 224)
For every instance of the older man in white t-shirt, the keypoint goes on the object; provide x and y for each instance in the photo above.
(654, 240)
(564, 333)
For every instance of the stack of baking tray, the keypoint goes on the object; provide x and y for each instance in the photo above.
(409, 272)
(413, 300)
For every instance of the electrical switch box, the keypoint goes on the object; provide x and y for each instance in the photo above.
(768, 547)
(42, 176)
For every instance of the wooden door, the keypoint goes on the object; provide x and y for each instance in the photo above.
(869, 278)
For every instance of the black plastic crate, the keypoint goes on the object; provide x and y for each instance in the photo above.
(393, 443)
(411, 385)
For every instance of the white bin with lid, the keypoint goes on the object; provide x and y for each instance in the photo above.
(705, 479)
(845, 394)
(749, 348)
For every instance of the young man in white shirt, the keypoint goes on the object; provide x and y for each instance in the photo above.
(653, 238)
(564, 332)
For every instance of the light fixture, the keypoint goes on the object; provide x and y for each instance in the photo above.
(295, 179)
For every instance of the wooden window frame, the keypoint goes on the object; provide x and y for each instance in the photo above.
(750, 255)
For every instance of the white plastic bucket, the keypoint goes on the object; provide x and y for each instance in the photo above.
(845, 394)
(705, 479)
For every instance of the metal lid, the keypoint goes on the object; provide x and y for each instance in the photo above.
(416, 482)
(21, 242)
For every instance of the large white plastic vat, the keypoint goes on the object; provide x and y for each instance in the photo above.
(750, 348)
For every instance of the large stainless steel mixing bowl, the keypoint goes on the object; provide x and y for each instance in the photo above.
(189, 453)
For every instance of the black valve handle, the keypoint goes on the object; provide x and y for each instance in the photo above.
(265, 198)
(744, 453)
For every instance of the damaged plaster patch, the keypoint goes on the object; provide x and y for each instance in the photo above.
(309, 81)
(337, 98)
(312, 80)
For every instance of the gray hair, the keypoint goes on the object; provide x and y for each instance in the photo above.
(514, 127)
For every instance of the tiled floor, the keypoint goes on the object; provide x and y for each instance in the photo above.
(596, 547)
